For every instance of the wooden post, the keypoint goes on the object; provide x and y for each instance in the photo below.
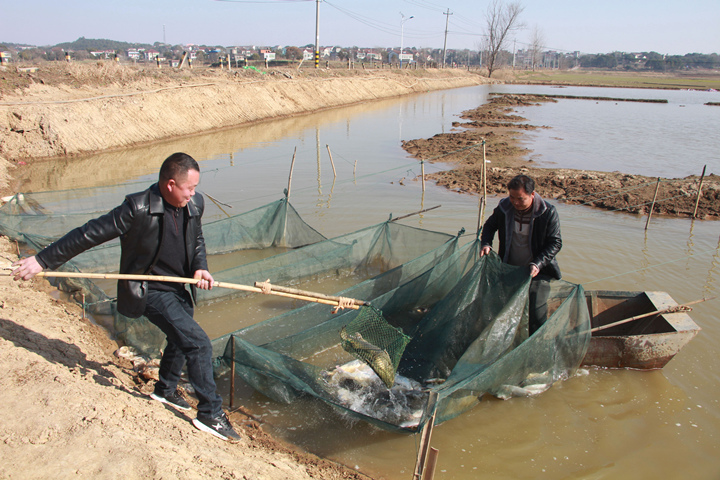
(331, 160)
(697, 200)
(483, 199)
(422, 174)
(83, 306)
(425, 436)
(232, 372)
(657, 186)
(292, 165)
(431, 463)
(354, 168)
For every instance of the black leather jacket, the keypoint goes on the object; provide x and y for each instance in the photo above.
(545, 239)
(138, 222)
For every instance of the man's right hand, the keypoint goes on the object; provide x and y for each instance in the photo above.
(485, 250)
(26, 269)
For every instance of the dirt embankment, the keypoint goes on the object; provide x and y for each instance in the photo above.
(60, 109)
(496, 124)
(70, 408)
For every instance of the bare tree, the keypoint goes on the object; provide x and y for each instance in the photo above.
(536, 46)
(501, 19)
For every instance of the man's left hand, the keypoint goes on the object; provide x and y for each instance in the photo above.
(534, 270)
(205, 280)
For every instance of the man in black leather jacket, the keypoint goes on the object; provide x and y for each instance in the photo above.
(528, 231)
(160, 233)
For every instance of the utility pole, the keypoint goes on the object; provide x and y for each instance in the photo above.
(447, 19)
(402, 35)
(317, 34)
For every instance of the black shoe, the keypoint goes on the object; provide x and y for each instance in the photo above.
(218, 426)
(175, 399)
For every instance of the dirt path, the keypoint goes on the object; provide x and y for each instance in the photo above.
(70, 408)
(499, 127)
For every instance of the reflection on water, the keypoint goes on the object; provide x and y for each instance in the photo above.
(605, 424)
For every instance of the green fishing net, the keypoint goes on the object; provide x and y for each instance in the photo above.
(370, 338)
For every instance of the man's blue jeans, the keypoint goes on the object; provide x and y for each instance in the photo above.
(186, 342)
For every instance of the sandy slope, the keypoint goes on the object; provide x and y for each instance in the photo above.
(71, 409)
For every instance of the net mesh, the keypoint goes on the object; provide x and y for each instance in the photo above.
(468, 319)
(370, 338)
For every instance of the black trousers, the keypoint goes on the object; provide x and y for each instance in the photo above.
(539, 293)
(187, 342)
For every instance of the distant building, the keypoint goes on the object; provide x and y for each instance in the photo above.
(103, 53)
(5, 58)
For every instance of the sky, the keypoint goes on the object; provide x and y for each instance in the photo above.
(674, 27)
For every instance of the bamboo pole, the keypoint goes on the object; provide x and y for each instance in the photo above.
(677, 308)
(425, 437)
(217, 204)
(652, 205)
(484, 182)
(232, 371)
(429, 474)
(292, 166)
(306, 296)
(697, 200)
(415, 213)
(422, 174)
(296, 291)
(331, 159)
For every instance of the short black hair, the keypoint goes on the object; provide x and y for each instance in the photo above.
(522, 181)
(177, 165)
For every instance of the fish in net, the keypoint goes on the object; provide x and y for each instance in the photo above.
(370, 338)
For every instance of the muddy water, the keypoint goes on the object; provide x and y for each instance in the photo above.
(600, 424)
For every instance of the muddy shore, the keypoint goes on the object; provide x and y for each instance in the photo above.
(499, 127)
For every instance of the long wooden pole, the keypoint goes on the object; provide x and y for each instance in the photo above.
(296, 291)
(677, 308)
(652, 205)
(697, 200)
(415, 213)
(422, 174)
(306, 296)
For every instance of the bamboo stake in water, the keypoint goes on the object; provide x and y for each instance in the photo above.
(652, 205)
(292, 166)
(331, 159)
(697, 200)
(232, 371)
(422, 174)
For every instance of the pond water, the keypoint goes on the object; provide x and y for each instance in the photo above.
(600, 424)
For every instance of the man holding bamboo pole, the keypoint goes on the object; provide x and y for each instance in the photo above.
(160, 234)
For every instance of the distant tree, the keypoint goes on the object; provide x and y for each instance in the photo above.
(501, 19)
(293, 53)
(536, 47)
(31, 54)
